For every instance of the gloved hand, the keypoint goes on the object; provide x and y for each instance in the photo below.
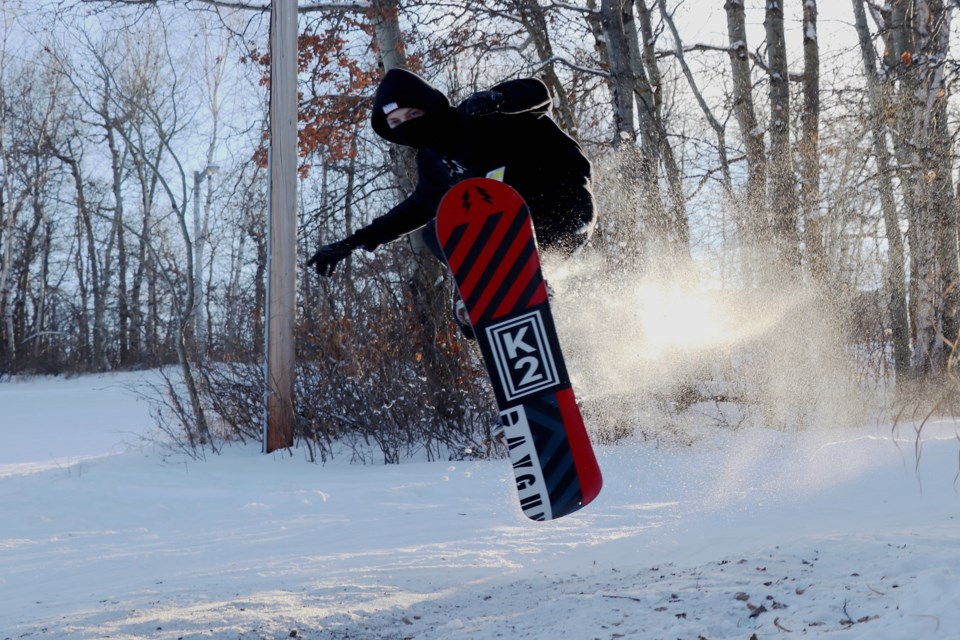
(482, 103)
(329, 256)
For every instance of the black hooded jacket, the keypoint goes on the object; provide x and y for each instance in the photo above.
(545, 165)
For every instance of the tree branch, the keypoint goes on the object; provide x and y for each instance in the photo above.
(754, 56)
(313, 7)
(586, 10)
(567, 63)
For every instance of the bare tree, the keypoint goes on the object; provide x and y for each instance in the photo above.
(102, 104)
(715, 124)
(34, 116)
(916, 52)
(895, 278)
(752, 218)
(140, 84)
(783, 193)
(214, 66)
(9, 212)
(622, 81)
(534, 18)
(809, 147)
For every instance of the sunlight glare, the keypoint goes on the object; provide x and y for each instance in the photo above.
(673, 317)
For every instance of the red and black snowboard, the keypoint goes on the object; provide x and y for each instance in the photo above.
(486, 234)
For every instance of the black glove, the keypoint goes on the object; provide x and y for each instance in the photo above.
(482, 103)
(329, 256)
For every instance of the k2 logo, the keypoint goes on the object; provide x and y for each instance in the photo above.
(522, 354)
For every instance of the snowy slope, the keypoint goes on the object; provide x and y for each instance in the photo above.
(822, 534)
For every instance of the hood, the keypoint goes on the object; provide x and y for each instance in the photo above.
(401, 88)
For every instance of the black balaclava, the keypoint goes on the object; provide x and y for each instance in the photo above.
(402, 89)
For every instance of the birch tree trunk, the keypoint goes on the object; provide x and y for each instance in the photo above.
(115, 238)
(651, 92)
(645, 78)
(389, 40)
(809, 148)
(621, 80)
(920, 37)
(8, 222)
(895, 277)
(143, 325)
(38, 331)
(939, 171)
(430, 298)
(87, 237)
(783, 195)
(636, 165)
(534, 20)
(752, 220)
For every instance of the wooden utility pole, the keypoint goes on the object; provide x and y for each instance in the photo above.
(282, 242)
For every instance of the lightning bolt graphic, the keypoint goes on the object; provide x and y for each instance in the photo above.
(486, 197)
(466, 200)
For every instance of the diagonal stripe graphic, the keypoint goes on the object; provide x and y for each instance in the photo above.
(510, 282)
(556, 459)
(497, 261)
(454, 240)
(529, 296)
(465, 267)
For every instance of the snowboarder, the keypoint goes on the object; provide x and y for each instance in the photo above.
(506, 133)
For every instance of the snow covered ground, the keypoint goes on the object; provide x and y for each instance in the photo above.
(828, 533)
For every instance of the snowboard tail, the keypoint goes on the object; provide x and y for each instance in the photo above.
(488, 239)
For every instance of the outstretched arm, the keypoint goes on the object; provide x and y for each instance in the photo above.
(400, 220)
(403, 218)
(411, 214)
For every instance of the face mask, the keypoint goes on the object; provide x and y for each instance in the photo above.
(429, 130)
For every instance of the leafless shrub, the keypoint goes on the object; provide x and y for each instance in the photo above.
(379, 376)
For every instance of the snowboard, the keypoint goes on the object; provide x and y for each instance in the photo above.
(488, 239)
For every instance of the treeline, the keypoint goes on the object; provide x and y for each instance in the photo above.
(133, 195)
